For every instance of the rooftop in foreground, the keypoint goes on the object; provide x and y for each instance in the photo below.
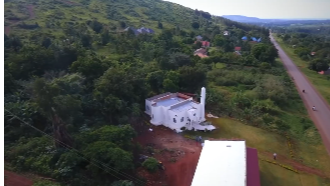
(221, 163)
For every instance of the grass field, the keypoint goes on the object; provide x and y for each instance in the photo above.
(320, 82)
(264, 141)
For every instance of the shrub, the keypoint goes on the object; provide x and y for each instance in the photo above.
(151, 164)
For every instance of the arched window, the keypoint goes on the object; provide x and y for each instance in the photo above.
(174, 120)
(147, 107)
(182, 119)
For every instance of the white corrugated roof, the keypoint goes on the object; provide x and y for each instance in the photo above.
(221, 163)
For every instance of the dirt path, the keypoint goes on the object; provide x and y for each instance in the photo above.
(321, 117)
(13, 179)
(296, 165)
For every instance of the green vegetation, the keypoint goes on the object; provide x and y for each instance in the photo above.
(151, 164)
(45, 183)
(72, 73)
(320, 82)
(269, 142)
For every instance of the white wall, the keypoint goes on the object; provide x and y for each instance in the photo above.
(148, 104)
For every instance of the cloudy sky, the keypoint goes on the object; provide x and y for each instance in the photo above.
(315, 9)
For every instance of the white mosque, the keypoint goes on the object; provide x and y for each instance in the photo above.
(177, 110)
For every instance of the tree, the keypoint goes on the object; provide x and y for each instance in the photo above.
(122, 183)
(151, 164)
(191, 78)
(105, 37)
(122, 24)
(286, 37)
(155, 80)
(108, 153)
(160, 25)
(46, 42)
(264, 52)
(179, 60)
(30, 60)
(90, 67)
(171, 81)
(56, 100)
(318, 65)
(195, 25)
(219, 40)
(95, 25)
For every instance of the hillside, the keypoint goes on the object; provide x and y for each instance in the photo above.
(54, 16)
(76, 84)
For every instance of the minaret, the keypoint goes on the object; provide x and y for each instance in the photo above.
(202, 102)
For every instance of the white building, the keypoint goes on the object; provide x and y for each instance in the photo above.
(222, 163)
(176, 110)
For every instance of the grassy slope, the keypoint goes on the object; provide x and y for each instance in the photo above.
(291, 114)
(264, 141)
(134, 13)
(320, 82)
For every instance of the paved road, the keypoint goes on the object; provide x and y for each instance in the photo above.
(321, 117)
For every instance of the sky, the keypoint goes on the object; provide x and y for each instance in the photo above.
(266, 9)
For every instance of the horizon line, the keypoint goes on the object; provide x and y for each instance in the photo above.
(282, 18)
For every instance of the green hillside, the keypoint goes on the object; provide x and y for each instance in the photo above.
(54, 16)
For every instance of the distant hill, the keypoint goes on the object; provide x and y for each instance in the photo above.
(245, 19)
(276, 22)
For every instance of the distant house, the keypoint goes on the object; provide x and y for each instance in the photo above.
(313, 53)
(199, 38)
(244, 38)
(238, 48)
(202, 53)
(205, 44)
(141, 30)
(226, 33)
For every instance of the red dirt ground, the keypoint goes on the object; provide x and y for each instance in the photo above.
(170, 146)
(13, 179)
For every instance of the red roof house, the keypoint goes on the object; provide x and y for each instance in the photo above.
(205, 44)
(238, 48)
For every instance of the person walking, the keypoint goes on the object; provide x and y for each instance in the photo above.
(274, 156)
(313, 108)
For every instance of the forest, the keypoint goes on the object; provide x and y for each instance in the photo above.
(74, 95)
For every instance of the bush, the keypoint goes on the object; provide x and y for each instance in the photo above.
(151, 164)
(282, 125)
(45, 183)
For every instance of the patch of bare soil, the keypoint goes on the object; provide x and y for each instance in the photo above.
(179, 156)
(13, 179)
